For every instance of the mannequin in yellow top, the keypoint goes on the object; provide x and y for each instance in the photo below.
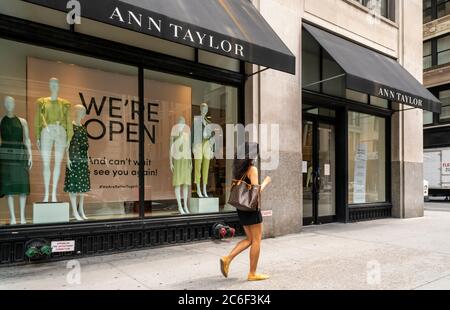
(53, 128)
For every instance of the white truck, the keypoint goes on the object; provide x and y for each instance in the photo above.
(436, 171)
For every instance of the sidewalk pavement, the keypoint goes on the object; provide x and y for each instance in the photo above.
(383, 254)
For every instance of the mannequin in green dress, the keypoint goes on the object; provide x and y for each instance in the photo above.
(77, 182)
(181, 162)
(16, 160)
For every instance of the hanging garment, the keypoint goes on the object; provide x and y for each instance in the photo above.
(78, 177)
(14, 172)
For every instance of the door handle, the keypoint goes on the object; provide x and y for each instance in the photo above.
(317, 181)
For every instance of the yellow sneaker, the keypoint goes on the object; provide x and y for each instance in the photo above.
(258, 277)
(225, 266)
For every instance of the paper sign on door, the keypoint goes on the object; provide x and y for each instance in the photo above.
(327, 170)
(305, 167)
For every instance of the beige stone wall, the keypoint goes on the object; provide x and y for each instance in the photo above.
(350, 19)
(407, 127)
(278, 98)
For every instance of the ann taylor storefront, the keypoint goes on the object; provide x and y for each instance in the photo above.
(87, 117)
(88, 110)
(350, 94)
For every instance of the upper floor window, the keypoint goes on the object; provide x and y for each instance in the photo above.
(443, 93)
(434, 9)
(385, 8)
(436, 52)
(427, 11)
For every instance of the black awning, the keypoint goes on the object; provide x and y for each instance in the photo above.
(232, 28)
(374, 73)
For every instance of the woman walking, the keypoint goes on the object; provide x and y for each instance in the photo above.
(251, 221)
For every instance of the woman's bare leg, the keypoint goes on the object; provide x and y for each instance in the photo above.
(256, 233)
(241, 246)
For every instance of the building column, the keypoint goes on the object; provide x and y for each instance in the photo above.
(407, 126)
(276, 99)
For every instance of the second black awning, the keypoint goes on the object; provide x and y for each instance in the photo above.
(233, 28)
(374, 73)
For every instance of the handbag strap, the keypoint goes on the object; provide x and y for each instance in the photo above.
(243, 177)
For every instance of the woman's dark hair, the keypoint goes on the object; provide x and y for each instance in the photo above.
(245, 158)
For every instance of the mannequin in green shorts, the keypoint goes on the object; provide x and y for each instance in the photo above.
(203, 151)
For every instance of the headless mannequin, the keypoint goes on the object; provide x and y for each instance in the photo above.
(78, 208)
(203, 152)
(46, 146)
(180, 128)
(10, 108)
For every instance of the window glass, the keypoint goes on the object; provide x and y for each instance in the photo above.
(381, 7)
(69, 141)
(184, 175)
(444, 96)
(379, 102)
(367, 158)
(427, 59)
(443, 50)
(35, 13)
(427, 11)
(311, 62)
(443, 8)
(333, 76)
(427, 117)
(356, 96)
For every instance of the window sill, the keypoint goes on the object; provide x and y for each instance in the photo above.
(436, 126)
(365, 9)
(437, 67)
(436, 21)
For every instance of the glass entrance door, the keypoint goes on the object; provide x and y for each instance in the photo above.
(319, 172)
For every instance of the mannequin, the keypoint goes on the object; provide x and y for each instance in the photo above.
(77, 182)
(16, 159)
(181, 163)
(203, 150)
(53, 126)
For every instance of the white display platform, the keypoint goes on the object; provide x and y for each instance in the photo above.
(49, 213)
(204, 205)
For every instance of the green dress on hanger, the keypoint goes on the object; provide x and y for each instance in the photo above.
(78, 177)
(14, 173)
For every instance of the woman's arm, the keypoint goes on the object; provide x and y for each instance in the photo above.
(253, 175)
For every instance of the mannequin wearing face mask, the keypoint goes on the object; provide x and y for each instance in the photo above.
(15, 160)
(181, 163)
(54, 129)
(203, 150)
(77, 181)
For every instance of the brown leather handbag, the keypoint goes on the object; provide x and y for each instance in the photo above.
(244, 196)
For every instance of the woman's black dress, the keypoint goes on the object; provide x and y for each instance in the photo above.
(249, 218)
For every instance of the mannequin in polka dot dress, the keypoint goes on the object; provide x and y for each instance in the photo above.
(77, 182)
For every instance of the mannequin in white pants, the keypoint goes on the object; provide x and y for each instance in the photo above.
(181, 163)
(53, 129)
(22, 189)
